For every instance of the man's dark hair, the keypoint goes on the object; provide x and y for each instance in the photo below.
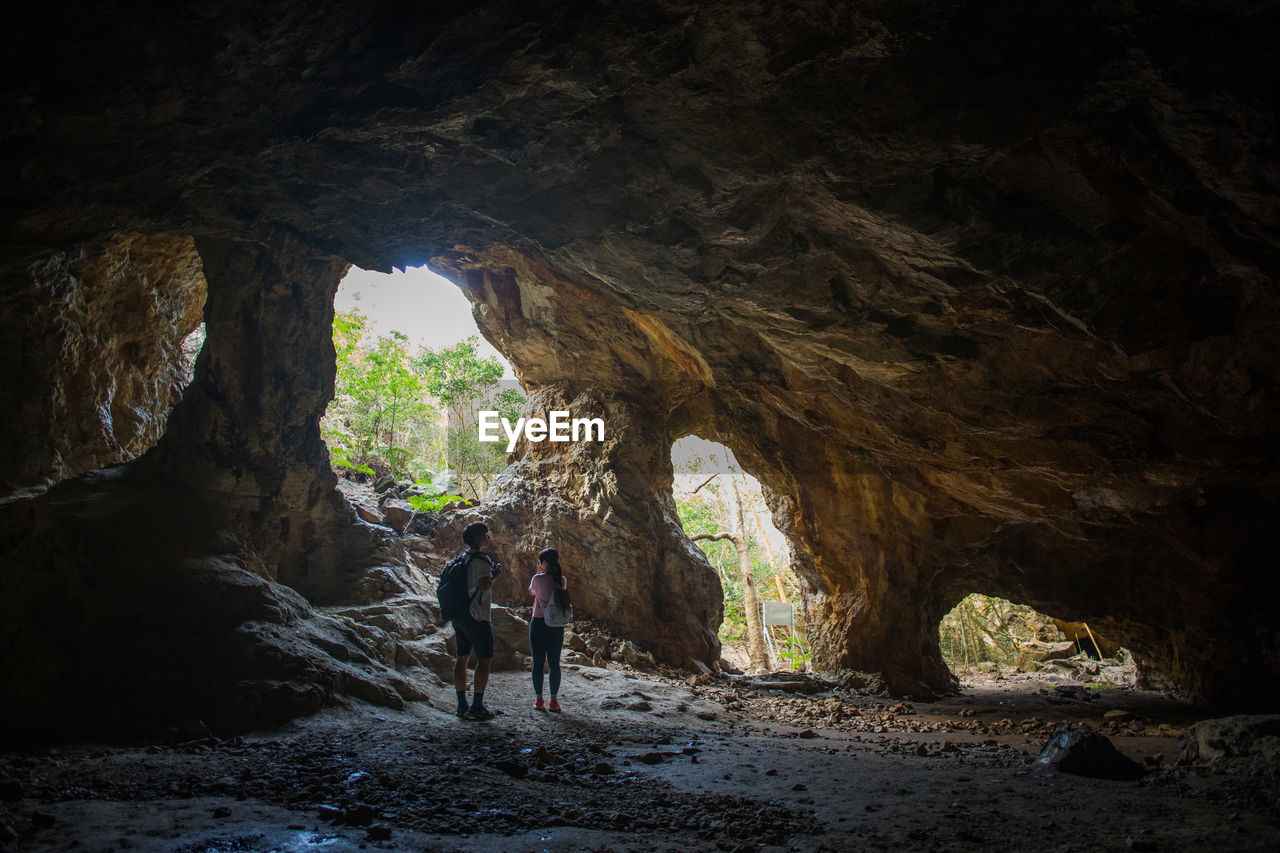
(473, 531)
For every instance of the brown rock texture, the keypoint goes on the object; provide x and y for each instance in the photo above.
(93, 354)
(983, 294)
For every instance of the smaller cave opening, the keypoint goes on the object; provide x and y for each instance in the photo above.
(723, 512)
(412, 374)
(985, 638)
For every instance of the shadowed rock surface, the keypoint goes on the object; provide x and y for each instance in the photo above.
(984, 296)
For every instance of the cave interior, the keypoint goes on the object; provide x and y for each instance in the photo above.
(984, 295)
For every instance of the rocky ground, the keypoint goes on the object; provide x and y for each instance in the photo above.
(645, 762)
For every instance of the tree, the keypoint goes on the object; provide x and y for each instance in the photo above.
(757, 652)
(714, 514)
(465, 382)
(379, 412)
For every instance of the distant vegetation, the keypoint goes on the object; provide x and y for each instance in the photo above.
(413, 415)
(726, 508)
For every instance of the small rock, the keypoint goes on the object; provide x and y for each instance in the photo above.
(222, 811)
(799, 786)
(514, 769)
(368, 515)
(360, 815)
(652, 758)
(640, 706)
(379, 832)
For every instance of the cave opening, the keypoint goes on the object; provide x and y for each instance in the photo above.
(723, 511)
(412, 372)
(985, 637)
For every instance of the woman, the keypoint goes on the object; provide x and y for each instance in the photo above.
(545, 641)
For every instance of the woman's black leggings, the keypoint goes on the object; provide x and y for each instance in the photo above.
(545, 644)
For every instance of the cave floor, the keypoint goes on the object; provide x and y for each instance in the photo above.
(644, 763)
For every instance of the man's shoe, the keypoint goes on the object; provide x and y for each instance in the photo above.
(462, 711)
(554, 706)
(539, 705)
(480, 713)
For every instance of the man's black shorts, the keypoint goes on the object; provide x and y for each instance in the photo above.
(472, 634)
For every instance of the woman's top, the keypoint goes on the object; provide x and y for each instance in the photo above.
(543, 587)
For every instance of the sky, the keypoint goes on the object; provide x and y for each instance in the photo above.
(430, 309)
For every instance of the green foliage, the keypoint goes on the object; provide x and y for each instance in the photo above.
(385, 415)
(379, 413)
(339, 459)
(986, 628)
(465, 382)
(699, 515)
(794, 652)
(457, 375)
(423, 503)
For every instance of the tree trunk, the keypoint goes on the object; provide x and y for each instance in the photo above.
(757, 652)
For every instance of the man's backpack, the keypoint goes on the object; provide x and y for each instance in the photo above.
(451, 591)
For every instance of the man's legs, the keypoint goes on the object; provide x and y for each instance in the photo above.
(482, 643)
(463, 639)
(481, 680)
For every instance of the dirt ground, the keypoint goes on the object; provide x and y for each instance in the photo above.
(647, 763)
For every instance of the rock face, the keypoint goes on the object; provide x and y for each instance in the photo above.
(984, 295)
(93, 355)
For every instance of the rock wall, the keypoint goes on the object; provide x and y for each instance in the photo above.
(984, 295)
(92, 354)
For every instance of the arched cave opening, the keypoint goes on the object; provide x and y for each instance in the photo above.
(412, 374)
(985, 638)
(722, 510)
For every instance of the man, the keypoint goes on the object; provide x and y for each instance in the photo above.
(474, 628)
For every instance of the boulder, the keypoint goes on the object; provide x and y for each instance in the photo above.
(398, 514)
(628, 652)
(1037, 651)
(1080, 751)
(367, 514)
(1256, 735)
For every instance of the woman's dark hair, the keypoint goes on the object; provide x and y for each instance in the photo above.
(552, 558)
(472, 532)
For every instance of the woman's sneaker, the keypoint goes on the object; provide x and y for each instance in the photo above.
(554, 706)
(539, 705)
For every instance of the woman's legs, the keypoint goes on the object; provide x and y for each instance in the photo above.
(538, 642)
(555, 639)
